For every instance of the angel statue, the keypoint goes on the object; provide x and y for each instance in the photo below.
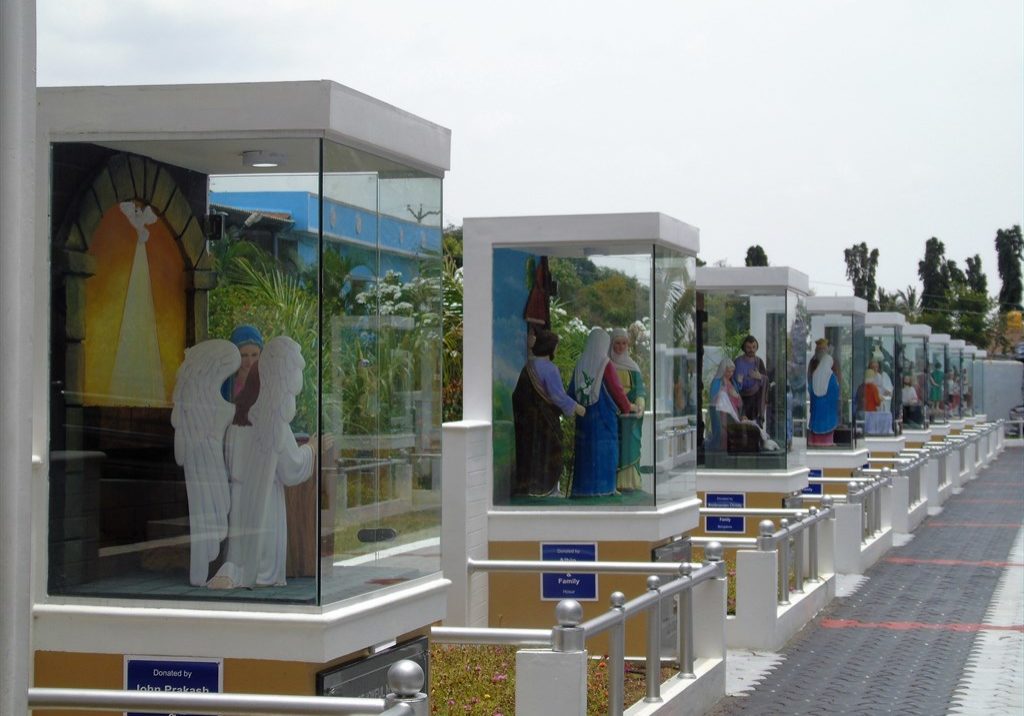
(238, 459)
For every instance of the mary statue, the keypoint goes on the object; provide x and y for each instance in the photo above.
(824, 396)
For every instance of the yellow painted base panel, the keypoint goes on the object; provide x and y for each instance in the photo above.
(515, 599)
(838, 472)
(59, 669)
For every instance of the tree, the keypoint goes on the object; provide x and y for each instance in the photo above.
(971, 303)
(756, 256)
(888, 301)
(975, 277)
(954, 301)
(451, 324)
(908, 304)
(934, 288)
(451, 243)
(861, 266)
(934, 272)
(1010, 250)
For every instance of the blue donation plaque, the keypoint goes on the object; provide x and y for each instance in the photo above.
(582, 587)
(815, 489)
(169, 674)
(725, 523)
(732, 500)
(814, 472)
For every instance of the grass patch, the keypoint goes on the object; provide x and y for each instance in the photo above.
(481, 680)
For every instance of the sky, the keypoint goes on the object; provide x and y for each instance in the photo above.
(802, 126)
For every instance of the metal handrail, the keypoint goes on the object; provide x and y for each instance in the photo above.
(572, 632)
(405, 679)
(490, 635)
(534, 565)
(789, 538)
(754, 511)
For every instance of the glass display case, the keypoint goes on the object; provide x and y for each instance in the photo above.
(978, 388)
(914, 394)
(967, 381)
(245, 348)
(955, 378)
(938, 379)
(754, 336)
(879, 404)
(592, 360)
(836, 346)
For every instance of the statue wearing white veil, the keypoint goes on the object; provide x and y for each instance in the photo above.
(259, 457)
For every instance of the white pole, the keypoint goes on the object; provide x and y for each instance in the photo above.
(17, 238)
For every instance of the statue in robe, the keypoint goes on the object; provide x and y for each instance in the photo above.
(824, 396)
(538, 403)
(628, 478)
(595, 385)
(751, 379)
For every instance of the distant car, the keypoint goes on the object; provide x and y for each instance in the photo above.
(1013, 429)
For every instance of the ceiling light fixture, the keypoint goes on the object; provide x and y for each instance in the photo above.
(260, 159)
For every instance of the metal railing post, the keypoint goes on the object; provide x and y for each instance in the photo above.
(783, 547)
(798, 556)
(853, 497)
(765, 539)
(653, 666)
(405, 679)
(684, 623)
(617, 659)
(568, 635)
(812, 547)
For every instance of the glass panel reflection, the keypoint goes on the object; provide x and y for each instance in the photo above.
(252, 417)
(937, 376)
(754, 377)
(593, 360)
(837, 346)
(880, 402)
(916, 377)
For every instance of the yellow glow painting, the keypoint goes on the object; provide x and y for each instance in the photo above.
(133, 347)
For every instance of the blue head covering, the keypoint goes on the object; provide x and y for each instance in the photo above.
(244, 335)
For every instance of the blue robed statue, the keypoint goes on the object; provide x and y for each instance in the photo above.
(824, 394)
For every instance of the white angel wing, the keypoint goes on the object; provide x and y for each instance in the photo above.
(280, 368)
(200, 418)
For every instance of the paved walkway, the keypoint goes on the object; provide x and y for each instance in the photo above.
(934, 628)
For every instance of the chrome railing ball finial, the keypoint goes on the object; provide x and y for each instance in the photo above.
(617, 600)
(568, 613)
(713, 552)
(405, 678)
(653, 582)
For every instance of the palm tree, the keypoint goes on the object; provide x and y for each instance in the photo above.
(908, 303)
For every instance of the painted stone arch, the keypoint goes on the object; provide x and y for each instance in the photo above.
(133, 235)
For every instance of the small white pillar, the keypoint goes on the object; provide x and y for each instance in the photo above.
(551, 682)
(709, 604)
(849, 532)
(826, 548)
(887, 507)
(757, 599)
(899, 503)
(466, 498)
